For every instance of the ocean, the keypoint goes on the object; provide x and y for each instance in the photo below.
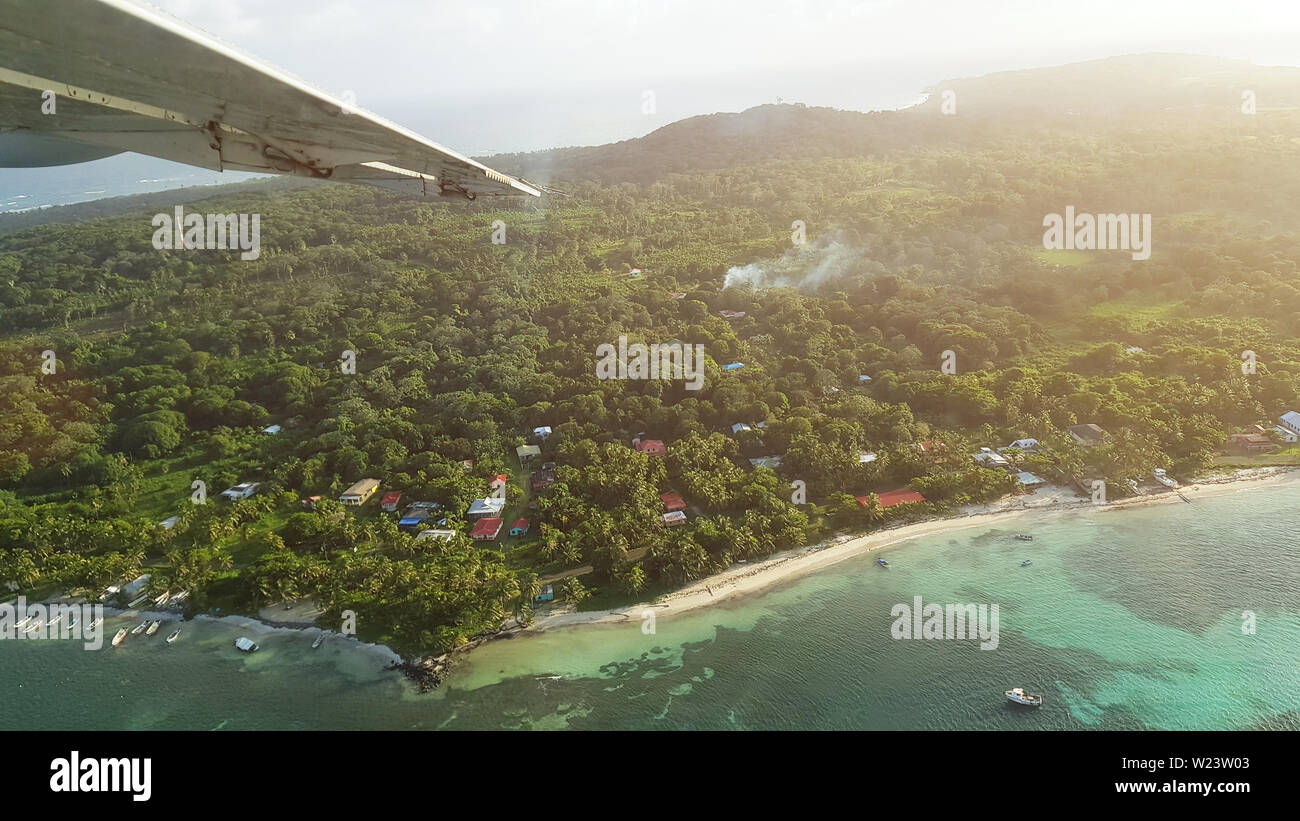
(1126, 619)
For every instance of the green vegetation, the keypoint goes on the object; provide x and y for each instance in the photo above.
(171, 363)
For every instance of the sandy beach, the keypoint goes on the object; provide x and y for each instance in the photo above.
(752, 577)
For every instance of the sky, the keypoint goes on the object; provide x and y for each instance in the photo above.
(517, 75)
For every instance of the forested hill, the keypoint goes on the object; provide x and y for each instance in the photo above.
(1138, 92)
(924, 242)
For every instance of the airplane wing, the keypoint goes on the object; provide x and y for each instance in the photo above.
(127, 77)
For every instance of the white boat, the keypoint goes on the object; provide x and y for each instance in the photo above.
(95, 623)
(161, 598)
(72, 622)
(1019, 696)
(153, 628)
(318, 642)
(173, 637)
(119, 637)
(247, 645)
(140, 628)
(20, 625)
(34, 626)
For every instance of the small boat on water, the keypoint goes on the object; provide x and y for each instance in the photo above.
(1024, 537)
(72, 622)
(119, 637)
(1018, 695)
(246, 645)
(95, 623)
(20, 625)
(153, 628)
(173, 637)
(34, 626)
(1026, 563)
(140, 628)
(318, 642)
(882, 562)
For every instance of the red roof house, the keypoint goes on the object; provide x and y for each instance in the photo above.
(498, 480)
(673, 501)
(650, 447)
(893, 497)
(391, 501)
(486, 529)
(520, 527)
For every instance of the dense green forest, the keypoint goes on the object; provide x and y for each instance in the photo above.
(924, 235)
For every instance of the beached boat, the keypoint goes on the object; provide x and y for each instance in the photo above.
(119, 637)
(1026, 563)
(140, 628)
(1019, 696)
(1024, 537)
(139, 601)
(153, 628)
(173, 637)
(882, 562)
(179, 597)
(161, 598)
(318, 642)
(246, 645)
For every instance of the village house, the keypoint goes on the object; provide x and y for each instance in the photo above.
(500, 480)
(271, 430)
(1087, 435)
(739, 426)
(360, 492)
(675, 518)
(527, 453)
(673, 501)
(486, 529)
(1026, 445)
(489, 506)
(520, 527)
(863, 379)
(732, 314)
(991, 459)
(413, 518)
(1243, 443)
(547, 593)
(542, 432)
(1029, 479)
(770, 462)
(733, 366)
(391, 500)
(430, 535)
(892, 498)
(866, 457)
(650, 447)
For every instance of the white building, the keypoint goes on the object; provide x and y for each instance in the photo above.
(243, 490)
(1291, 421)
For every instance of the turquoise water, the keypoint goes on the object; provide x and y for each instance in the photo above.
(1125, 620)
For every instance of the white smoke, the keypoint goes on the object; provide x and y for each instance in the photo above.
(805, 266)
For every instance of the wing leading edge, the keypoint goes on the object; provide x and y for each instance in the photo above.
(127, 77)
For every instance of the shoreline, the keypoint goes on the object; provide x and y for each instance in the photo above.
(741, 580)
